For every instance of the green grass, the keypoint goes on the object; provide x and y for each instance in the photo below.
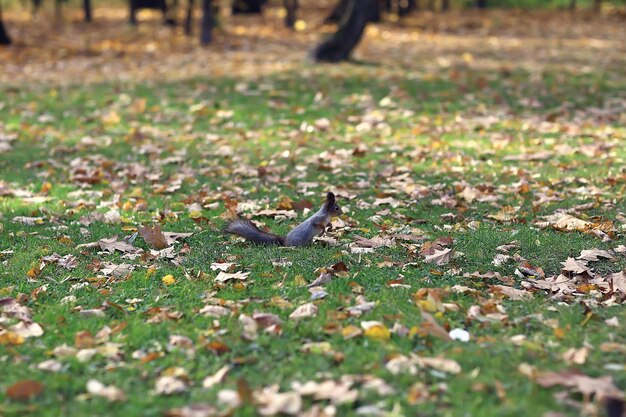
(434, 149)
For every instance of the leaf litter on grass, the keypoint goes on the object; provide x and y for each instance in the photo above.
(480, 216)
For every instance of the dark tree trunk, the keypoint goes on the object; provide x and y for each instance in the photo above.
(208, 22)
(572, 5)
(132, 13)
(337, 12)
(87, 8)
(4, 35)
(431, 5)
(339, 46)
(406, 7)
(480, 4)
(189, 17)
(291, 6)
(445, 5)
(247, 6)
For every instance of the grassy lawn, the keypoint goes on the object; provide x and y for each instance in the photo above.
(480, 156)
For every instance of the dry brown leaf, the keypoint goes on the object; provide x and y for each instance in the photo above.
(600, 387)
(112, 244)
(168, 385)
(305, 310)
(26, 330)
(576, 267)
(593, 255)
(512, 293)
(225, 276)
(24, 390)
(216, 378)
(440, 257)
(153, 236)
(441, 364)
(110, 392)
(576, 356)
(430, 326)
(618, 280)
(271, 402)
(195, 410)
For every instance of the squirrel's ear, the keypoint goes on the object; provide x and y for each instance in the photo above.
(330, 197)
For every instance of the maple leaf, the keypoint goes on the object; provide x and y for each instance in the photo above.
(153, 236)
(576, 267)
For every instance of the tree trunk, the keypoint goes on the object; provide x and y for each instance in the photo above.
(87, 9)
(132, 13)
(337, 12)
(208, 22)
(572, 5)
(291, 6)
(480, 4)
(339, 46)
(406, 6)
(4, 35)
(189, 17)
(445, 5)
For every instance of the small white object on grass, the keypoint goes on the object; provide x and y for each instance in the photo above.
(459, 334)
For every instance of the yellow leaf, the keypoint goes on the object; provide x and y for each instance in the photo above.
(350, 331)
(300, 25)
(10, 338)
(45, 188)
(168, 279)
(378, 332)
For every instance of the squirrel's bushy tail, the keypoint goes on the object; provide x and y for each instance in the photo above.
(249, 231)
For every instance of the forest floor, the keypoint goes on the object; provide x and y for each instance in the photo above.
(478, 268)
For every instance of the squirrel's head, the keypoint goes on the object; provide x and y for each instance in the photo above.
(331, 206)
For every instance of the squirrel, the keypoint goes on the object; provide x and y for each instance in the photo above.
(301, 235)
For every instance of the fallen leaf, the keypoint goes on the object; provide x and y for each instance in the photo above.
(24, 390)
(600, 387)
(305, 310)
(216, 378)
(109, 392)
(440, 257)
(593, 255)
(153, 236)
(225, 276)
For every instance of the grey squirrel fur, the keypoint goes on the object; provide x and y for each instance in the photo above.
(301, 235)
